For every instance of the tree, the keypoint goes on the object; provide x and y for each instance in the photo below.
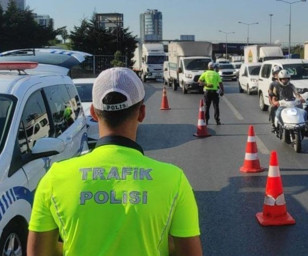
(116, 62)
(91, 38)
(19, 30)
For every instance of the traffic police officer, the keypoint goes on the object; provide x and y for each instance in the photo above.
(114, 200)
(212, 87)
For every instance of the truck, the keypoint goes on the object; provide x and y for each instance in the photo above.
(306, 50)
(148, 61)
(187, 61)
(259, 53)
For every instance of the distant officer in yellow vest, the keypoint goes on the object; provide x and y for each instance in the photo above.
(115, 201)
(213, 88)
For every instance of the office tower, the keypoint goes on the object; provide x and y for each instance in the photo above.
(109, 20)
(151, 26)
(19, 3)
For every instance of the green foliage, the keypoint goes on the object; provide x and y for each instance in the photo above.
(116, 62)
(18, 29)
(88, 37)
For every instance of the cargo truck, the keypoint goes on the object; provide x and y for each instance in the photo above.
(260, 53)
(148, 61)
(187, 61)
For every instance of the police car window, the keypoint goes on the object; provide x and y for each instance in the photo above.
(7, 105)
(61, 106)
(30, 128)
(74, 100)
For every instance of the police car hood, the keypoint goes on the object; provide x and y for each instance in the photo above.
(58, 57)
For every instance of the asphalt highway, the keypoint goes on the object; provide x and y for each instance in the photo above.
(228, 199)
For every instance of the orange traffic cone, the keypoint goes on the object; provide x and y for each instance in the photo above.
(164, 100)
(201, 129)
(251, 161)
(274, 208)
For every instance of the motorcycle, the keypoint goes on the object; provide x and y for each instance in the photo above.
(290, 125)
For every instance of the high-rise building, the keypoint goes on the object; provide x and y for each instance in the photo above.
(19, 3)
(151, 26)
(109, 20)
(43, 20)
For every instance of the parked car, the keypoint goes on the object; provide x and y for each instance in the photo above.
(237, 66)
(84, 87)
(41, 121)
(298, 68)
(248, 77)
(227, 71)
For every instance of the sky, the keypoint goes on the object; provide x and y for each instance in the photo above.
(202, 18)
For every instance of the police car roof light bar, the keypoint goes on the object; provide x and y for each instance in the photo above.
(18, 65)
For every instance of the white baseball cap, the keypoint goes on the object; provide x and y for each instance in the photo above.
(211, 64)
(120, 80)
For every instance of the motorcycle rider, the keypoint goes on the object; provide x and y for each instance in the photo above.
(274, 83)
(285, 91)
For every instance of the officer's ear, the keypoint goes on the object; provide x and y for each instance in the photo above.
(92, 112)
(141, 114)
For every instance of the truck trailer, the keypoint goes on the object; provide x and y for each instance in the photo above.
(148, 61)
(259, 53)
(187, 61)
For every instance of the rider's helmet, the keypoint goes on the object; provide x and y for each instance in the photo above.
(276, 69)
(284, 77)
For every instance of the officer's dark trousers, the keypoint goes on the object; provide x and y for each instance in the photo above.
(209, 97)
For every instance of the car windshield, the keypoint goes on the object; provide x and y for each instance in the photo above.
(7, 106)
(196, 64)
(226, 66)
(85, 91)
(297, 71)
(156, 59)
(254, 70)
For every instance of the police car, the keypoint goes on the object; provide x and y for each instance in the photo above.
(41, 121)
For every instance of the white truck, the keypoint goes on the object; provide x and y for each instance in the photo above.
(187, 61)
(306, 50)
(259, 53)
(148, 61)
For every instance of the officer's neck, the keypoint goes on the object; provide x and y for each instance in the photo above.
(127, 129)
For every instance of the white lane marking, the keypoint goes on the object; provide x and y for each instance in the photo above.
(233, 109)
(261, 146)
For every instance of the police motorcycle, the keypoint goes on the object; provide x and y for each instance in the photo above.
(290, 125)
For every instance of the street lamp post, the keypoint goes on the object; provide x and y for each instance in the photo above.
(248, 24)
(226, 33)
(271, 15)
(290, 3)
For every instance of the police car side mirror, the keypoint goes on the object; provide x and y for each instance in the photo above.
(45, 147)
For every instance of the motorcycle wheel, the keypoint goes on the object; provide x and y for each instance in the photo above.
(286, 137)
(297, 143)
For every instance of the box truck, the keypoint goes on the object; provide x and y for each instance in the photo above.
(187, 61)
(148, 61)
(260, 53)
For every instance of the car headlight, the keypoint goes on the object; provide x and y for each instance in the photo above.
(188, 76)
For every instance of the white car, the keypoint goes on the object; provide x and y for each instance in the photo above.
(41, 121)
(227, 71)
(84, 87)
(298, 68)
(248, 77)
(237, 66)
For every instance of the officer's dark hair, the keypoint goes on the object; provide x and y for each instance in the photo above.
(116, 118)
